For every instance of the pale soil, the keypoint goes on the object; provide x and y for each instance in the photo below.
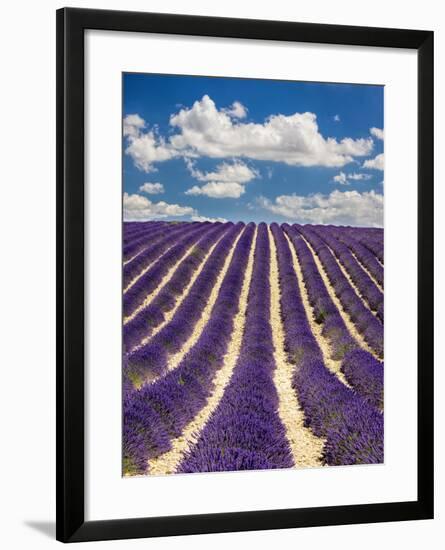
(306, 448)
(347, 320)
(144, 271)
(125, 262)
(176, 358)
(168, 315)
(169, 462)
(317, 329)
(367, 272)
(161, 285)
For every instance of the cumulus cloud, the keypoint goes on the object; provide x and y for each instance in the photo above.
(226, 181)
(206, 219)
(152, 188)
(205, 130)
(377, 132)
(343, 178)
(236, 110)
(360, 176)
(137, 207)
(145, 147)
(227, 172)
(295, 139)
(377, 163)
(133, 124)
(337, 118)
(218, 190)
(338, 207)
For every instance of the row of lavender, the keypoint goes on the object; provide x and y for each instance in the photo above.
(136, 241)
(142, 325)
(160, 410)
(151, 359)
(151, 278)
(348, 420)
(162, 238)
(363, 253)
(368, 325)
(366, 287)
(371, 238)
(366, 380)
(245, 432)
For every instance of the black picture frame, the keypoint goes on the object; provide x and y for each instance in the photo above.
(71, 24)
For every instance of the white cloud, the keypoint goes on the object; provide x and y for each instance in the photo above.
(377, 132)
(145, 147)
(295, 139)
(236, 171)
(236, 110)
(227, 181)
(133, 124)
(137, 207)
(204, 130)
(206, 219)
(218, 190)
(359, 176)
(337, 118)
(152, 188)
(339, 207)
(341, 178)
(135, 202)
(377, 163)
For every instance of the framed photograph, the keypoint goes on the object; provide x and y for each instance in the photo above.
(245, 275)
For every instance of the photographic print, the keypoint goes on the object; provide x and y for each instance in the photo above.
(253, 274)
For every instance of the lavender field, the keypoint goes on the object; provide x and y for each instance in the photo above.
(250, 347)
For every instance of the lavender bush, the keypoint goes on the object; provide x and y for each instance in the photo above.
(353, 429)
(325, 311)
(146, 238)
(160, 411)
(365, 256)
(153, 315)
(135, 230)
(151, 279)
(367, 324)
(245, 431)
(151, 359)
(365, 374)
(372, 238)
(365, 285)
(154, 249)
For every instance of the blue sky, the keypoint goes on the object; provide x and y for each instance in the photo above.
(252, 150)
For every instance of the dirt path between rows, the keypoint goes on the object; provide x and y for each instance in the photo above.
(306, 447)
